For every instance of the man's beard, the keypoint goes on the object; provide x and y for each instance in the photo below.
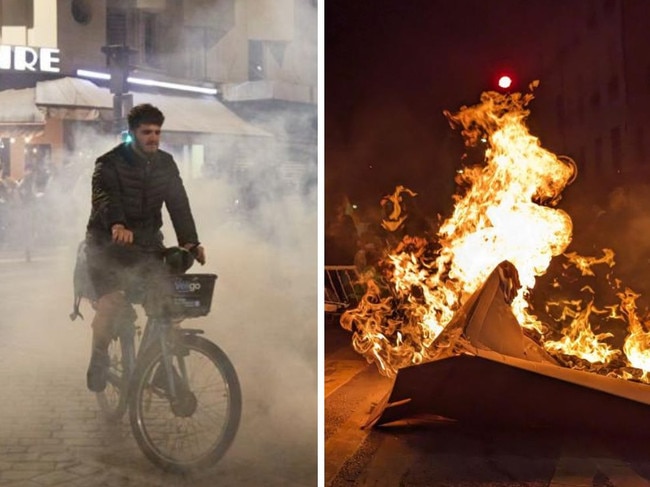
(146, 149)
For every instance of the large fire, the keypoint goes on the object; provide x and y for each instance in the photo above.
(505, 210)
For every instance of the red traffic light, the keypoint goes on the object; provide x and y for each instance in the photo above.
(505, 82)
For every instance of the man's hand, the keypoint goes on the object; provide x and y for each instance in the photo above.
(121, 235)
(197, 251)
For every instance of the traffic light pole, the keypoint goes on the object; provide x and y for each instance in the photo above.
(117, 59)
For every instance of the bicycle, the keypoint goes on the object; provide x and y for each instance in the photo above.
(180, 389)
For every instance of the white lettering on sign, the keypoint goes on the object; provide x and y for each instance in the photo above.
(5, 57)
(48, 58)
(23, 58)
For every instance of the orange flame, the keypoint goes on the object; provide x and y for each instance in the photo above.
(579, 340)
(584, 264)
(396, 217)
(637, 343)
(498, 218)
(505, 210)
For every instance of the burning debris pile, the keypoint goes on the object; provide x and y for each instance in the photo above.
(505, 219)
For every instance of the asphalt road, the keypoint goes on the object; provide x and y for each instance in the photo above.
(434, 452)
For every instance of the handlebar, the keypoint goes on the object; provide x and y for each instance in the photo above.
(177, 259)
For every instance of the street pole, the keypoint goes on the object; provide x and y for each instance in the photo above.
(117, 59)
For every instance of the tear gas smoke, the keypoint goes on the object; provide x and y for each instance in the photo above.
(259, 227)
(264, 312)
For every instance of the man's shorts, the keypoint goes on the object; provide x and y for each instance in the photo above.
(113, 267)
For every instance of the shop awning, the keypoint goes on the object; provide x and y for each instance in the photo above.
(199, 115)
(74, 98)
(72, 93)
(19, 116)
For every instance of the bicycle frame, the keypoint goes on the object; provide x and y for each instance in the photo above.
(157, 330)
(164, 332)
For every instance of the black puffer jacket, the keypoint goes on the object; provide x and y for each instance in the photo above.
(128, 189)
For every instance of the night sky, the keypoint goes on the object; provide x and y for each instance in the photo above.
(392, 67)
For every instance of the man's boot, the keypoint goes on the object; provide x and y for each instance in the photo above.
(97, 374)
(107, 309)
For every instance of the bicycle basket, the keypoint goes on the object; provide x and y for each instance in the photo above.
(192, 294)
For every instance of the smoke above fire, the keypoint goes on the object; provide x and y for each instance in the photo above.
(505, 209)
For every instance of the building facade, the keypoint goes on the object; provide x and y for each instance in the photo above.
(595, 88)
(246, 51)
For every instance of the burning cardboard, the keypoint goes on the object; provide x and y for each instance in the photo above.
(451, 317)
(491, 372)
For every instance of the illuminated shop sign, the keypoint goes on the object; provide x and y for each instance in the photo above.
(23, 58)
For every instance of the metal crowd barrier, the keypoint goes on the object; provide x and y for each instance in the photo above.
(341, 288)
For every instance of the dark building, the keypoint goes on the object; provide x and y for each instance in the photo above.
(594, 67)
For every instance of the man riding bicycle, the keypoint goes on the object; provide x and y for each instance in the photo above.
(130, 183)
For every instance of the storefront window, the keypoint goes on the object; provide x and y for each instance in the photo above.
(38, 162)
(5, 160)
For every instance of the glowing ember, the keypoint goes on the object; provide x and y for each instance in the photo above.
(505, 210)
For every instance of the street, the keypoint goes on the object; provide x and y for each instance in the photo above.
(51, 433)
(437, 452)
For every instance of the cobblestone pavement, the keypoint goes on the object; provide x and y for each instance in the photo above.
(51, 433)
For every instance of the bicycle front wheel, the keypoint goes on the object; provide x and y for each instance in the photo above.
(195, 429)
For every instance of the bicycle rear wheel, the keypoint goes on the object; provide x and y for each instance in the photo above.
(112, 400)
(196, 429)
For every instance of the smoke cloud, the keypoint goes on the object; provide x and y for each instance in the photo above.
(264, 312)
(255, 205)
(614, 217)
